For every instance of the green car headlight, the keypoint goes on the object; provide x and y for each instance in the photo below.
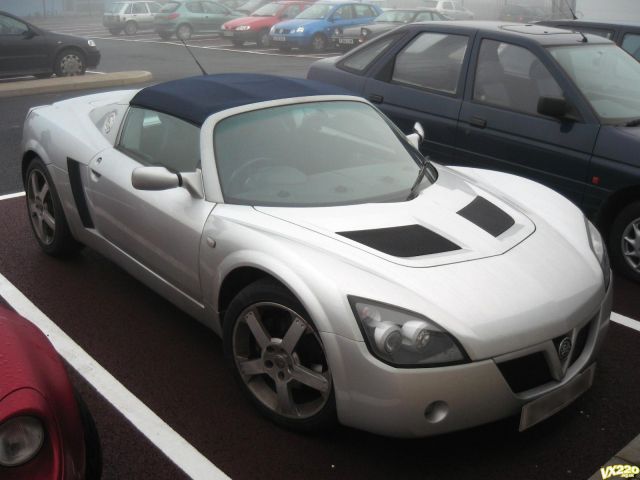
(405, 339)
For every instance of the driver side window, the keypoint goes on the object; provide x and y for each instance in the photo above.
(11, 26)
(154, 138)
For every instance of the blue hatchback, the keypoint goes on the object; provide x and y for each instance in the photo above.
(315, 25)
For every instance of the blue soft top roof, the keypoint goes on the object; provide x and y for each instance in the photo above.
(194, 99)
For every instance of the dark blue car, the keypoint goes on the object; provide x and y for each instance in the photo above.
(313, 28)
(559, 107)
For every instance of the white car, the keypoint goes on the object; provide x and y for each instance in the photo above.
(453, 10)
(351, 279)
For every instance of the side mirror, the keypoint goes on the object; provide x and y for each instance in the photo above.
(154, 178)
(29, 34)
(417, 137)
(553, 107)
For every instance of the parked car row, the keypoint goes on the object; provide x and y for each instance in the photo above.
(526, 99)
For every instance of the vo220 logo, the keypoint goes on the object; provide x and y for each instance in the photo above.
(622, 471)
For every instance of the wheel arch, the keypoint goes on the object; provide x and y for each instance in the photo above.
(613, 205)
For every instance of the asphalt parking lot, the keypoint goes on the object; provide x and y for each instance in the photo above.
(176, 368)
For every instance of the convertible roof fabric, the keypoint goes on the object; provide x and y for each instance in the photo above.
(195, 98)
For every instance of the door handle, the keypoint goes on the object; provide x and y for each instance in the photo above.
(375, 98)
(478, 122)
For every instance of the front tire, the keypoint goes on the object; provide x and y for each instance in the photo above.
(47, 218)
(624, 242)
(69, 63)
(92, 447)
(278, 359)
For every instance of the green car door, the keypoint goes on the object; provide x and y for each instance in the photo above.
(215, 15)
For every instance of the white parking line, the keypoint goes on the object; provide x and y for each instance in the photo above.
(167, 440)
(626, 321)
(12, 195)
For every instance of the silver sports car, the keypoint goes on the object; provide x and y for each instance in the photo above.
(351, 279)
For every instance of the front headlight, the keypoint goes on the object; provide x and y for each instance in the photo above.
(405, 339)
(91, 43)
(599, 250)
(243, 27)
(364, 32)
(300, 30)
(20, 440)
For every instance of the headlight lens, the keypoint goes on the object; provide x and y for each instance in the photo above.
(405, 339)
(300, 30)
(364, 32)
(243, 27)
(600, 251)
(91, 43)
(20, 440)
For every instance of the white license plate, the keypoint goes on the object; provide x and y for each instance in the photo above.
(348, 41)
(278, 38)
(545, 406)
(227, 33)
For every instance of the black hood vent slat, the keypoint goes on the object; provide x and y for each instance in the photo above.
(487, 216)
(405, 241)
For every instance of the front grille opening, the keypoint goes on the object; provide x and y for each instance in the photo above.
(527, 372)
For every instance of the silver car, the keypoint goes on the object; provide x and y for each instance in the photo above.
(351, 279)
(451, 9)
(130, 17)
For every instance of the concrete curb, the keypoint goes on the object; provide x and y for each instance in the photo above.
(629, 455)
(80, 82)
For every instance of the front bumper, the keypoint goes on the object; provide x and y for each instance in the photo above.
(373, 396)
(240, 35)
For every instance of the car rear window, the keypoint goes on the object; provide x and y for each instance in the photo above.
(170, 7)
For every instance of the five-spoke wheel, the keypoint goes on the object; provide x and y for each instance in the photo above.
(624, 242)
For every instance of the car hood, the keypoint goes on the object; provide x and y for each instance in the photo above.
(66, 39)
(251, 21)
(295, 23)
(619, 144)
(377, 27)
(448, 222)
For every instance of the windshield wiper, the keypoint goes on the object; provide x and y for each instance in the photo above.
(423, 170)
(633, 123)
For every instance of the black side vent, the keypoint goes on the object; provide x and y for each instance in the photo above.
(525, 373)
(405, 241)
(75, 179)
(487, 216)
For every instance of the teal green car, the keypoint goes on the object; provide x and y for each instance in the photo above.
(184, 18)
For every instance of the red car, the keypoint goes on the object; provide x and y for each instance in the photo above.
(255, 28)
(46, 432)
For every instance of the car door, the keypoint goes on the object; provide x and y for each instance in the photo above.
(500, 127)
(215, 15)
(22, 50)
(423, 82)
(160, 229)
(196, 17)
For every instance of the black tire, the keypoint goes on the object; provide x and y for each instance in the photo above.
(184, 31)
(69, 62)
(115, 31)
(237, 42)
(130, 28)
(318, 43)
(165, 35)
(56, 241)
(308, 349)
(92, 447)
(263, 38)
(624, 261)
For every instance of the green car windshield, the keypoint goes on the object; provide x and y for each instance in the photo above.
(607, 76)
(314, 154)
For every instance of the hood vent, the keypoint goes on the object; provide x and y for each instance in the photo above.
(405, 241)
(487, 216)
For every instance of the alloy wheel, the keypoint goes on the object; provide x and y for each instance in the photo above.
(631, 244)
(41, 211)
(280, 359)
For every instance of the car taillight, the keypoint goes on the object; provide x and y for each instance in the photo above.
(173, 16)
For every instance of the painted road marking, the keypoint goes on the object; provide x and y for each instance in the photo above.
(167, 440)
(11, 195)
(626, 321)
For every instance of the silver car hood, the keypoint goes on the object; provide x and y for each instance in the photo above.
(450, 221)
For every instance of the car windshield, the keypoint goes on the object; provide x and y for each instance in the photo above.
(117, 7)
(614, 96)
(269, 10)
(313, 154)
(317, 11)
(396, 16)
(170, 7)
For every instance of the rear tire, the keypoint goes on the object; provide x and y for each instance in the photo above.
(130, 28)
(44, 208)
(318, 43)
(624, 242)
(184, 31)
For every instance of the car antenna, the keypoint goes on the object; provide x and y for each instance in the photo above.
(204, 72)
(573, 15)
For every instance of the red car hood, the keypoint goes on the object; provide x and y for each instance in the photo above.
(255, 23)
